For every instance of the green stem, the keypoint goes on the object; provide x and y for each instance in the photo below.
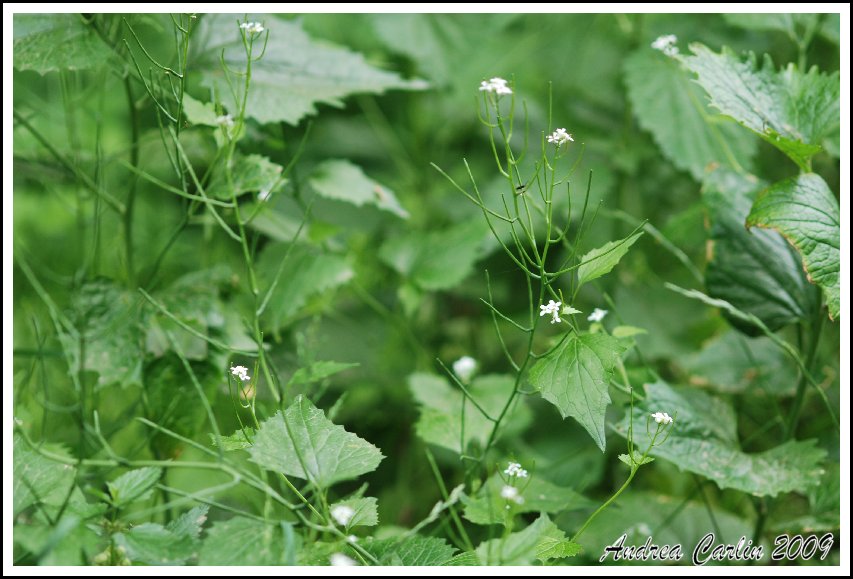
(131, 192)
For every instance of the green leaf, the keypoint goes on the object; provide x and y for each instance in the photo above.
(236, 441)
(438, 260)
(411, 551)
(466, 559)
(306, 273)
(68, 542)
(600, 261)
(199, 113)
(795, 26)
(440, 421)
(319, 371)
(733, 363)
(791, 110)
(637, 461)
(342, 180)
(757, 271)
(672, 109)
(108, 319)
(134, 485)
(37, 479)
(575, 378)
(539, 496)
(249, 173)
(189, 524)
(366, 511)
(154, 544)
(51, 42)
(311, 447)
(542, 540)
(703, 440)
(804, 210)
(295, 74)
(241, 541)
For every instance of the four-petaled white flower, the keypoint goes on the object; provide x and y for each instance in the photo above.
(241, 372)
(514, 469)
(496, 85)
(552, 308)
(666, 44)
(343, 514)
(510, 493)
(597, 315)
(341, 560)
(465, 367)
(559, 137)
(252, 27)
(662, 418)
(225, 121)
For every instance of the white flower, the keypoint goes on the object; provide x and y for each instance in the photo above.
(264, 195)
(510, 493)
(666, 44)
(352, 539)
(343, 514)
(252, 27)
(341, 560)
(597, 315)
(514, 469)
(552, 308)
(465, 367)
(662, 418)
(559, 137)
(241, 372)
(495, 85)
(225, 121)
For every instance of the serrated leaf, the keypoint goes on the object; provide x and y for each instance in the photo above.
(410, 551)
(703, 441)
(189, 524)
(37, 479)
(52, 42)
(756, 271)
(236, 441)
(311, 447)
(241, 541)
(440, 420)
(734, 363)
(154, 544)
(295, 75)
(575, 377)
(672, 109)
(791, 110)
(637, 461)
(342, 180)
(306, 273)
(319, 371)
(437, 260)
(538, 495)
(542, 540)
(804, 210)
(249, 173)
(600, 261)
(134, 485)
(365, 509)
(466, 559)
(108, 318)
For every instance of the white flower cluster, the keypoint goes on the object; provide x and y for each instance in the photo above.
(662, 418)
(496, 85)
(465, 367)
(343, 514)
(252, 27)
(666, 44)
(241, 372)
(225, 121)
(341, 560)
(552, 308)
(559, 137)
(510, 493)
(597, 315)
(514, 469)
